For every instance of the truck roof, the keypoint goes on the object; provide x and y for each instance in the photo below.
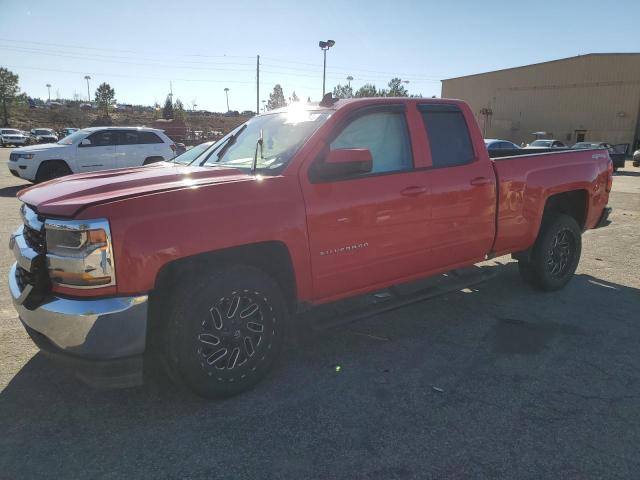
(341, 103)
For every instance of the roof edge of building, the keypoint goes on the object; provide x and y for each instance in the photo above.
(539, 63)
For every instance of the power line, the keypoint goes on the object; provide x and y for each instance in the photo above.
(332, 69)
(135, 52)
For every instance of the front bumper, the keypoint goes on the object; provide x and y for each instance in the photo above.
(23, 169)
(14, 141)
(85, 332)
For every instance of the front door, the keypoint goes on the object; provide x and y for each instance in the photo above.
(100, 153)
(368, 229)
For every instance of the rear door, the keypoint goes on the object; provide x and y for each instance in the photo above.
(130, 149)
(367, 229)
(462, 187)
(139, 146)
(100, 154)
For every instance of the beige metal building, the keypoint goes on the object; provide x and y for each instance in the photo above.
(589, 97)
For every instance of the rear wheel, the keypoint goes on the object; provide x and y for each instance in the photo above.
(555, 255)
(225, 331)
(52, 169)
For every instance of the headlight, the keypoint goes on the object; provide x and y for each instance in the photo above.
(79, 253)
(27, 156)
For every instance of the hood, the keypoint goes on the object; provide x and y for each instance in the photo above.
(66, 196)
(37, 147)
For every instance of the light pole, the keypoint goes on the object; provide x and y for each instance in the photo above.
(324, 46)
(226, 91)
(87, 78)
(49, 90)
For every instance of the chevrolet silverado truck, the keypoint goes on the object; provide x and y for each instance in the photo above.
(204, 267)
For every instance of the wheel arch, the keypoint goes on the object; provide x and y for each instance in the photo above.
(272, 257)
(574, 203)
(153, 159)
(46, 163)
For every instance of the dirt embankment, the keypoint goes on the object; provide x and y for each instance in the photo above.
(64, 116)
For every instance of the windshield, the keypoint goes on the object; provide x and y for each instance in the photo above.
(190, 155)
(73, 138)
(541, 143)
(43, 132)
(10, 132)
(282, 134)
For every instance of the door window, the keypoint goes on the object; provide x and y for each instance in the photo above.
(384, 134)
(103, 139)
(448, 135)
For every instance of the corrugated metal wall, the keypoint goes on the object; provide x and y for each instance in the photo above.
(598, 93)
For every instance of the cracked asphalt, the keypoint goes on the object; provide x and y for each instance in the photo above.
(493, 381)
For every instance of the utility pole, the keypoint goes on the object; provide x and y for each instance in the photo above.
(257, 85)
(226, 91)
(49, 90)
(87, 78)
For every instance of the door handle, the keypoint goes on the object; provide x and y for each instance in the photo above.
(413, 191)
(480, 181)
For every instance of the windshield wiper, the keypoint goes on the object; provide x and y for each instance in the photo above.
(259, 143)
(231, 141)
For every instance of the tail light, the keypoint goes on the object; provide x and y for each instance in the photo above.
(609, 175)
(173, 147)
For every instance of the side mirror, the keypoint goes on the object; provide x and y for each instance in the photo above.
(85, 142)
(345, 162)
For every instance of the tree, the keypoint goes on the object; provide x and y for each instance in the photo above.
(276, 98)
(105, 97)
(8, 91)
(178, 110)
(167, 111)
(396, 89)
(367, 90)
(342, 91)
(294, 97)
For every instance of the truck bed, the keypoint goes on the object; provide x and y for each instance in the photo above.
(526, 180)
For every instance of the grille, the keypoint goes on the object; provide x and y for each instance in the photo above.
(35, 239)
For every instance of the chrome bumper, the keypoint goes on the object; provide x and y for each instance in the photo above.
(103, 328)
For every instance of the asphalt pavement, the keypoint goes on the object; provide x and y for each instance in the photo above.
(493, 381)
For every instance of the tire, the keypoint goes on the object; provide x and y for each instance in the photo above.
(555, 254)
(225, 331)
(50, 170)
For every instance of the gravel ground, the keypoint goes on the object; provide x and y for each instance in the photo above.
(496, 381)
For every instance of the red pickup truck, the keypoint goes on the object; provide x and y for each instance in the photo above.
(206, 265)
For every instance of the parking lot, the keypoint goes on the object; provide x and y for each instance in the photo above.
(496, 380)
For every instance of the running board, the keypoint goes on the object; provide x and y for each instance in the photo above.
(365, 306)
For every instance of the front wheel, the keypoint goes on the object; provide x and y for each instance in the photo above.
(555, 254)
(226, 330)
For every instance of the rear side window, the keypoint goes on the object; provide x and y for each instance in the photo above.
(135, 137)
(384, 134)
(448, 135)
(149, 137)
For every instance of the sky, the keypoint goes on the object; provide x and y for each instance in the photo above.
(202, 47)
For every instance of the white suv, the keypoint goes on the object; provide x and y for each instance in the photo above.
(11, 136)
(91, 149)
